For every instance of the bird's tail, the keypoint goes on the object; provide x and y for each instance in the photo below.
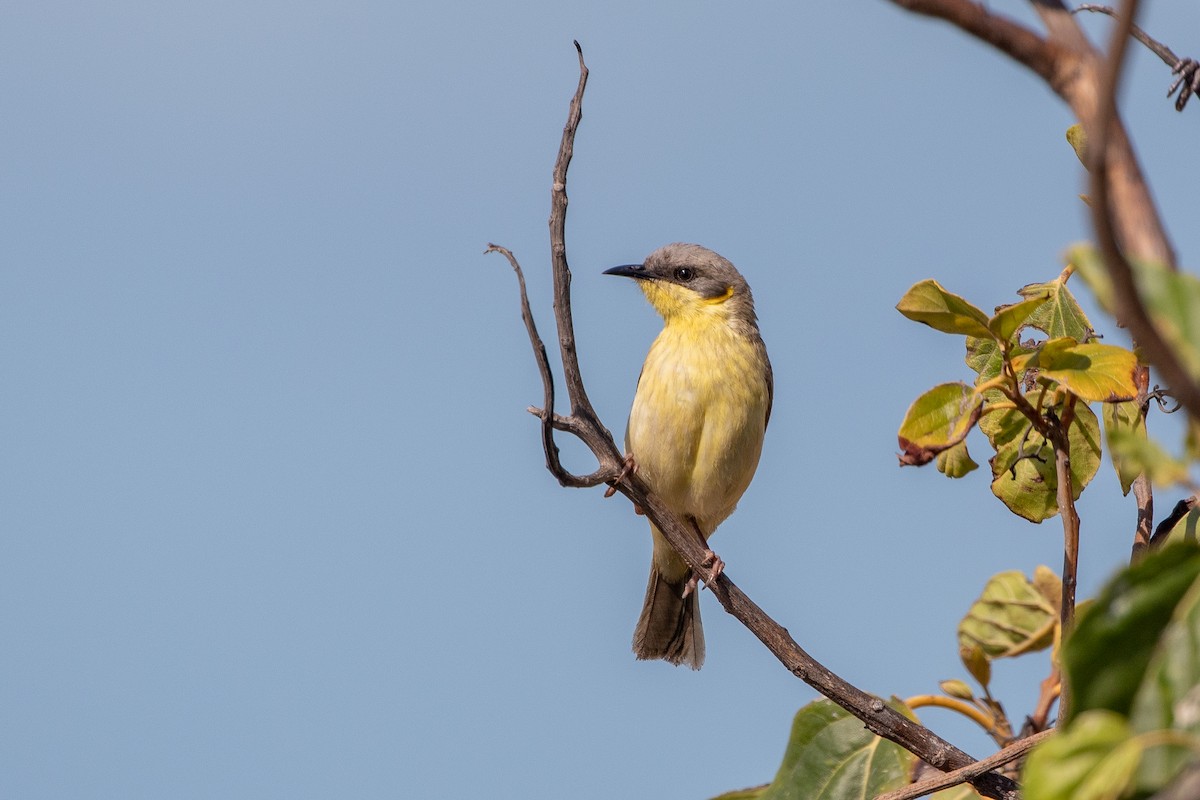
(669, 627)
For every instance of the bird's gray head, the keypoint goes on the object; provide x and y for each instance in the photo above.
(682, 280)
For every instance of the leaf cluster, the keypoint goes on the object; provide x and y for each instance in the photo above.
(1133, 667)
(1028, 397)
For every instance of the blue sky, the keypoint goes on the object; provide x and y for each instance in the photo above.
(273, 519)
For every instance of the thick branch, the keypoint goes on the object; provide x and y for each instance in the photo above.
(1106, 211)
(1071, 68)
(584, 423)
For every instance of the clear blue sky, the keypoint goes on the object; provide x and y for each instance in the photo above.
(273, 520)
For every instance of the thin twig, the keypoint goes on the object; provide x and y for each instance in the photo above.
(1143, 492)
(584, 423)
(1158, 48)
(1181, 510)
(1050, 690)
(966, 774)
(1061, 440)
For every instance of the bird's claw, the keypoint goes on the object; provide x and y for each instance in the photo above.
(629, 468)
(715, 567)
(1188, 81)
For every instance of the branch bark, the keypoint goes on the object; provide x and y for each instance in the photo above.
(1009, 754)
(585, 424)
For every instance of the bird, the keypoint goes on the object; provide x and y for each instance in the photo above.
(696, 427)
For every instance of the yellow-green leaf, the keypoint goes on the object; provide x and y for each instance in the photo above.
(976, 662)
(936, 421)
(1061, 316)
(1171, 299)
(1078, 141)
(1124, 418)
(929, 303)
(956, 688)
(1049, 586)
(1092, 372)
(831, 756)
(1087, 262)
(1140, 454)
(1094, 759)
(1009, 319)
(956, 462)
(1011, 617)
(1023, 473)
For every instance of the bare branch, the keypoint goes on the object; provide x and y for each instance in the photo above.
(1070, 67)
(585, 424)
(1143, 492)
(1158, 48)
(1070, 521)
(1009, 754)
(1107, 211)
(1181, 510)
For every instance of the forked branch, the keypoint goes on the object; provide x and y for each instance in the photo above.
(585, 424)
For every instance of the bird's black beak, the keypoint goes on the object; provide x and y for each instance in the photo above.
(629, 271)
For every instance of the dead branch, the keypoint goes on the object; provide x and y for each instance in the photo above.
(583, 422)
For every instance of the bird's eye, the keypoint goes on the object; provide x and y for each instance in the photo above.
(684, 274)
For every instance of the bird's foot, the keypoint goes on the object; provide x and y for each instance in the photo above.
(629, 468)
(1187, 81)
(715, 567)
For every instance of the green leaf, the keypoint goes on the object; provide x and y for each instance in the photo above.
(744, 794)
(1115, 638)
(1123, 418)
(936, 421)
(1094, 759)
(1009, 319)
(956, 462)
(1078, 140)
(929, 303)
(1032, 492)
(1087, 262)
(1169, 697)
(831, 756)
(956, 688)
(985, 357)
(1191, 440)
(1092, 372)
(1171, 299)
(1049, 586)
(976, 662)
(1061, 316)
(1011, 617)
(1140, 454)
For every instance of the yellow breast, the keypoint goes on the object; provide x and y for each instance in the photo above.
(697, 423)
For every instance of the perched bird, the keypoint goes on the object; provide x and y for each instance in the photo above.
(696, 427)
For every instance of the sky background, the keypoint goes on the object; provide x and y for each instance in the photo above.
(274, 522)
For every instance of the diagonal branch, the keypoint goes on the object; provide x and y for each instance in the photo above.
(1158, 48)
(585, 424)
(1009, 754)
(1106, 210)
(1071, 68)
